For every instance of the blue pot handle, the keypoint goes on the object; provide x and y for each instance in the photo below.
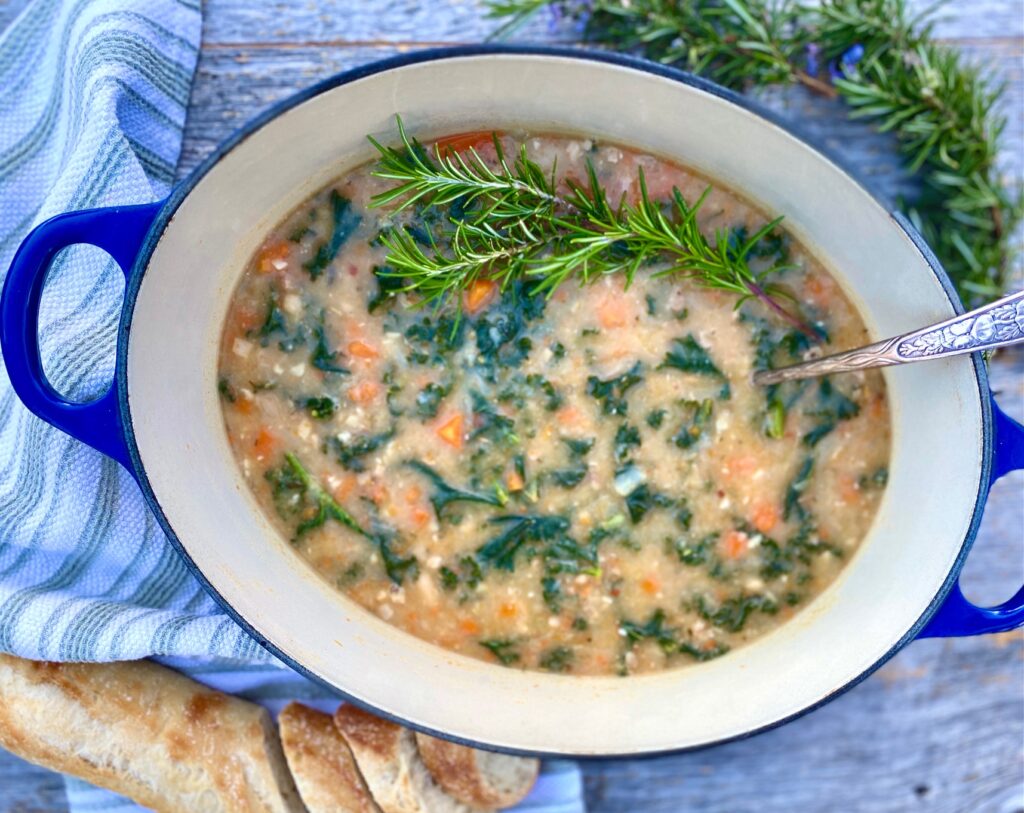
(119, 231)
(957, 616)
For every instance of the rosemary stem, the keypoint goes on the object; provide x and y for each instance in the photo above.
(760, 293)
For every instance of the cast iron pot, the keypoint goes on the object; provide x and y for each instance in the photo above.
(161, 418)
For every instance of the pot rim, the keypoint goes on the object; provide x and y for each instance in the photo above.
(182, 190)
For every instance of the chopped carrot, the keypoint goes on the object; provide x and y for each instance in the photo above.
(849, 489)
(243, 404)
(363, 392)
(480, 294)
(460, 142)
(247, 318)
(451, 431)
(274, 257)
(378, 492)
(568, 415)
(264, 443)
(741, 466)
(766, 516)
(413, 494)
(420, 517)
(469, 626)
(650, 585)
(508, 610)
(613, 311)
(344, 488)
(362, 350)
(734, 545)
(515, 481)
(878, 406)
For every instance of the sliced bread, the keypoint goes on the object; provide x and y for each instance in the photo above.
(390, 763)
(321, 762)
(144, 731)
(478, 778)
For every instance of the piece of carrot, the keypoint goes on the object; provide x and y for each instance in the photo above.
(363, 392)
(413, 494)
(734, 545)
(613, 311)
(362, 350)
(264, 443)
(451, 431)
(420, 517)
(480, 294)
(243, 403)
(766, 516)
(508, 610)
(650, 585)
(272, 255)
(460, 142)
(514, 481)
(469, 626)
(849, 489)
(568, 415)
(740, 466)
(342, 491)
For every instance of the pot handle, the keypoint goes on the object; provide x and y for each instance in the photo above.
(957, 616)
(118, 230)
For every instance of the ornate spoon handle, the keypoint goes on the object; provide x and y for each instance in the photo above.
(994, 325)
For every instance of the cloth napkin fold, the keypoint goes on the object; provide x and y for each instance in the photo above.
(93, 95)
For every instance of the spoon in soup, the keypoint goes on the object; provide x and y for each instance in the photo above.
(997, 324)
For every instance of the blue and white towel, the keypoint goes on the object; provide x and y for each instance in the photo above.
(93, 95)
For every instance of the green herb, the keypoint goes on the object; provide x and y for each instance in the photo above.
(489, 423)
(612, 391)
(732, 614)
(515, 226)
(579, 447)
(226, 390)
(943, 108)
(345, 220)
(580, 624)
(877, 479)
(351, 575)
(552, 397)
(832, 407)
(387, 286)
(794, 491)
(558, 659)
(428, 401)
(350, 450)
(275, 320)
(692, 553)
(296, 494)
(653, 629)
(558, 351)
(656, 417)
(641, 500)
(571, 476)
(689, 356)
(652, 305)
(502, 648)
(323, 358)
(320, 408)
(626, 438)
(444, 494)
(693, 427)
(449, 578)
(519, 529)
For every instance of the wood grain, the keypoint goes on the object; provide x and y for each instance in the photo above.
(940, 729)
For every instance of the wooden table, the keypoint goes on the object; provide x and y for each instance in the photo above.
(941, 727)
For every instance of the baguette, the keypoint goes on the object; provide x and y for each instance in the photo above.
(322, 763)
(478, 778)
(390, 763)
(147, 732)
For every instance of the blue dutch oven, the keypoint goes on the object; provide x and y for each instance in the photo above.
(161, 417)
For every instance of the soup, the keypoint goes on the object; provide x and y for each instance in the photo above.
(579, 480)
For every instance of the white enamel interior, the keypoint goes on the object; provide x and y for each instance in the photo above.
(172, 361)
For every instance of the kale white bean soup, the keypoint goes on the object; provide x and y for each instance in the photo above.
(497, 390)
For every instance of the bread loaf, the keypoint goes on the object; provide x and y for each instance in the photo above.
(390, 763)
(147, 732)
(322, 763)
(478, 778)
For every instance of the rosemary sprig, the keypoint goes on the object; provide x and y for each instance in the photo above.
(883, 63)
(510, 222)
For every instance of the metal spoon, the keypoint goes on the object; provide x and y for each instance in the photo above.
(997, 324)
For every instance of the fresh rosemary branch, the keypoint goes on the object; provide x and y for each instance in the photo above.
(510, 222)
(882, 61)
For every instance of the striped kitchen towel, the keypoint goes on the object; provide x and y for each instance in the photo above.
(93, 95)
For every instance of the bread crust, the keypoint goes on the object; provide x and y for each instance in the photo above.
(322, 763)
(458, 770)
(389, 761)
(146, 732)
